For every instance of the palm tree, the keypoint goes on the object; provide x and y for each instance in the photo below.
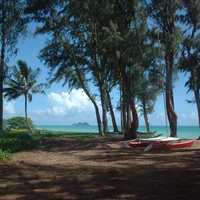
(23, 82)
(13, 26)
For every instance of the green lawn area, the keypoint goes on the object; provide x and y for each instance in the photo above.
(19, 140)
(14, 141)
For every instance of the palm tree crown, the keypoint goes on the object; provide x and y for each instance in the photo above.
(22, 81)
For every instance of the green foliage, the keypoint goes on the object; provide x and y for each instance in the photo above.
(122, 45)
(14, 142)
(4, 155)
(22, 82)
(13, 26)
(150, 87)
(190, 59)
(19, 123)
(13, 23)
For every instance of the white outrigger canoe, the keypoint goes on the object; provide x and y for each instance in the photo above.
(145, 142)
(160, 138)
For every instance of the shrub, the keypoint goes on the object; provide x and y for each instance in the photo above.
(4, 155)
(19, 123)
(18, 142)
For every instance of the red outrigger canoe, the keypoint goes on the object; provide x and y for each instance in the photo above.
(162, 145)
(138, 144)
(181, 144)
(145, 142)
(172, 145)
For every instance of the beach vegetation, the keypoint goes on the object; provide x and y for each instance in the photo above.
(12, 27)
(22, 81)
(133, 47)
(190, 59)
(19, 123)
(15, 141)
(4, 155)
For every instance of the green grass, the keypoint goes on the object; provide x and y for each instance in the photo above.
(13, 141)
(57, 134)
(22, 140)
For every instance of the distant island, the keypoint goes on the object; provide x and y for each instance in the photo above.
(81, 124)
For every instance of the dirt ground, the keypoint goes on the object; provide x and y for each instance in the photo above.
(99, 169)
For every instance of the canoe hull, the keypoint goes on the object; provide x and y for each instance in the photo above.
(183, 144)
(162, 145)
(158, 141)
(136, 144)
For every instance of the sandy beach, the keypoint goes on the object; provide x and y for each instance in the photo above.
(66, 168)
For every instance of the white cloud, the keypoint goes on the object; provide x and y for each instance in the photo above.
(76, 99)
(67, 103)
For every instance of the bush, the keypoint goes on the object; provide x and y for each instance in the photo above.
(19, 123)
(14, 142)
(4, 155)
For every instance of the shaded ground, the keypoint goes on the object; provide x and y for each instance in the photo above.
(99, 169)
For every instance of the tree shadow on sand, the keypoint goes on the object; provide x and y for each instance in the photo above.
(23, 181)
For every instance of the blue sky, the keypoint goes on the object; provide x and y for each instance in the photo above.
(59, 107)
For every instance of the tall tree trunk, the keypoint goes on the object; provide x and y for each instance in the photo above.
(172, 117)
(2, 59)
(145, 114)
(120, 94)
(197, 99)
(101, 133)
(26, 112)
(25, 106)
(123, 101)
(115, 128)
(96, 69)
(103, 97)
(196, 92)
(92, 100)
(132, 132)
(135, 122)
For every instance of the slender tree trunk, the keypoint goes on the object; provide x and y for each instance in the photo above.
(196, 92)
(2, 59)
(172, 117)
(26, 112)
(96, 72)
(123, 103)
(92, 100)
(101, 133)
(132, 132)
(135, 122)
(25, 106)
(130, 124)
(104, 107)
(115, 128)
(197, 99)
(145, 114)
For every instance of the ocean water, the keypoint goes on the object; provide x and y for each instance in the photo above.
(183, 131)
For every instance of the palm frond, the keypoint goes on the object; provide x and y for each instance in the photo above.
(22, 81)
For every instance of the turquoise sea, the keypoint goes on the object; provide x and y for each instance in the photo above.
(183, 131)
